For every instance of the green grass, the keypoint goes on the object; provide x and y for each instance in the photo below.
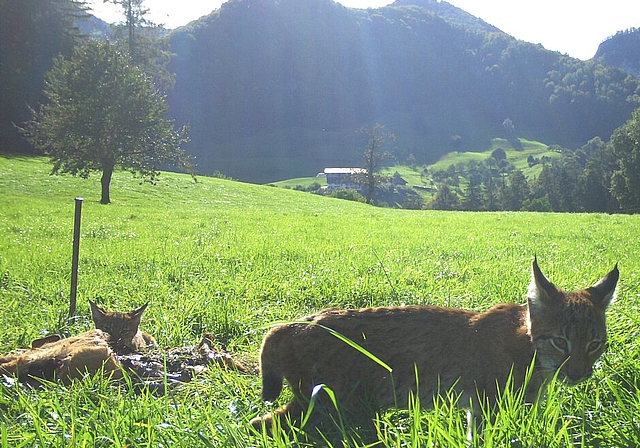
(231, 258)
(517, 157)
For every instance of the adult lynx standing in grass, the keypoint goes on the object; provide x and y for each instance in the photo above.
(434, 349)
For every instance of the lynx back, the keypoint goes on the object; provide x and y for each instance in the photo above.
(63, 360)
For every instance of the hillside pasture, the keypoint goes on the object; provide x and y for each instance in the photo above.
(518, 157)
(231, 259)
(413, 174)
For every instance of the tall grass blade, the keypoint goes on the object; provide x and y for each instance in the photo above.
(351, 344)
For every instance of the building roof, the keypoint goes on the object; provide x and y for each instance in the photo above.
(344, 171)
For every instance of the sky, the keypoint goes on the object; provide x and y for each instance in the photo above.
(572, 27)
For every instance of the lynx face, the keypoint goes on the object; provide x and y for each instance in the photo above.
(122, 327)
(568, 328)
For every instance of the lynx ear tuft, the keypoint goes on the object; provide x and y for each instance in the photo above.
(96, 310)
(604, 291)
(541, 291)
(139, 311)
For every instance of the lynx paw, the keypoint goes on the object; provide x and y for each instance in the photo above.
(263, 424)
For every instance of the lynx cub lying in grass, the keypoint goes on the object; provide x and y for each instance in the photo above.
(52, 358)
(122, 328)
(444, 347)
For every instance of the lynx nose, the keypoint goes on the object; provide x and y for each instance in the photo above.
(574, 378)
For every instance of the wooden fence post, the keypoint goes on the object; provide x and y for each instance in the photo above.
(74, 261)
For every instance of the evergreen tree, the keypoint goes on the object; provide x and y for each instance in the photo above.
(493, 192)
(473, 198)
(593, 196)
(594, 183)
(558, 182)
(145, 42)
(516, 191)
(445, 199)
(547, 186)
(625, 182)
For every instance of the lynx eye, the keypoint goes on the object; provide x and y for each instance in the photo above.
(594, 346)
(560, 343)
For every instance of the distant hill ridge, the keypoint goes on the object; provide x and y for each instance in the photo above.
(275, 89)
(622, 50)
(451, 13)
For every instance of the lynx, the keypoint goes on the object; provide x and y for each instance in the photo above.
(122, 328)
(52, 358)
(64, 360)
(432, 350)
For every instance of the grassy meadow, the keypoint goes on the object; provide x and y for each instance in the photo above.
(232, 258)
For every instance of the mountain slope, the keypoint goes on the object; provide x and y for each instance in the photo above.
(622, 50)
(277, 88)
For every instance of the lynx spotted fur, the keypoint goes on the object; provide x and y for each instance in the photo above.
(439, 348)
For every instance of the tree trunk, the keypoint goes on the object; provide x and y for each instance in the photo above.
(371, 186)
(107, 172)
(130, 26)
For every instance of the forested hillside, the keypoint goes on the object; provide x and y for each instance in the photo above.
(31, 34)
(622, 50)
(277, 88)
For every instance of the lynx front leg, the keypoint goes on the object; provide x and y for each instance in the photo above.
(476, 418)
(283, 418)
